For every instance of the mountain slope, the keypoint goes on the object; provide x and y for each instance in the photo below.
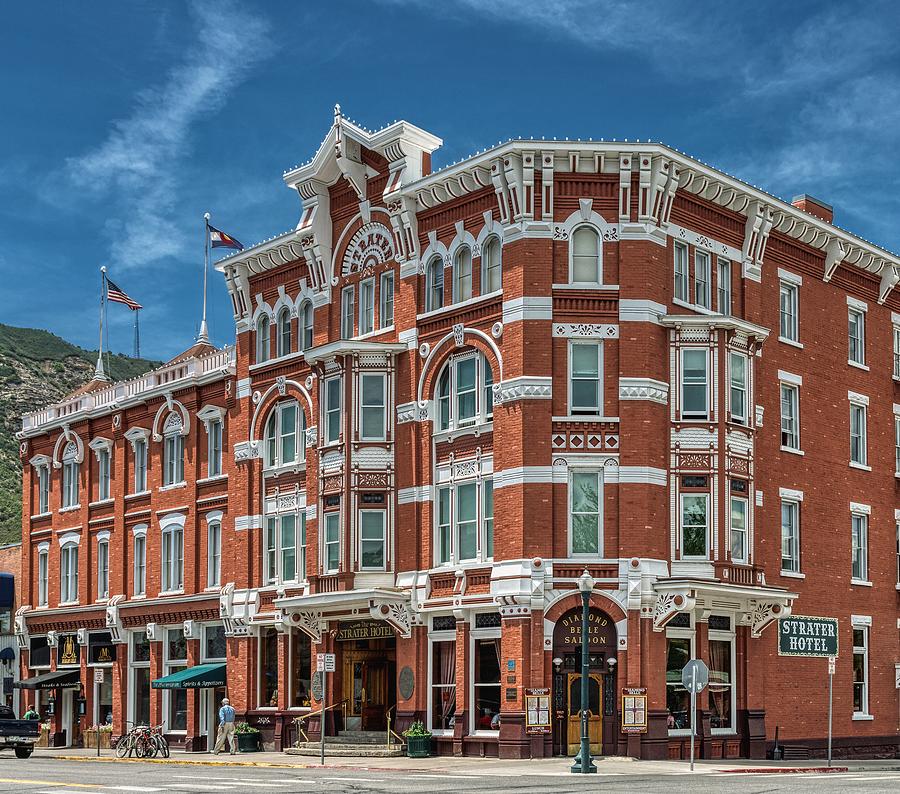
(38, 368)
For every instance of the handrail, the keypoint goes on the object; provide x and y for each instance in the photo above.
(391, 732)
(304, 717)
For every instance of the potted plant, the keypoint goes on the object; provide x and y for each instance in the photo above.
(44, 741)
(418, 740)
(247, 737)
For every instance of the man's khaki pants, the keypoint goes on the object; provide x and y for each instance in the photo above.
(226, 731)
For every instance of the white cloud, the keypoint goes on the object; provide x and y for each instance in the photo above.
(138, 163)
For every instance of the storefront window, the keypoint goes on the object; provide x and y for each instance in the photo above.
(443, 685)
(301, 666)
(141, 694)
(176, 699)
(678, 700)
(721, 685)
(486, 698)
(214, 642)
(105, 700)
(141, 648)
(268, 668)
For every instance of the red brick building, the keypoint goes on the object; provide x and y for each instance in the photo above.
(453, 392)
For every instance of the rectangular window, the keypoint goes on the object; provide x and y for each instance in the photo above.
(367, 306)
(300, 666)
(287, 539)
(103, 569)
(466, 522)
(175, 700)
(43, 568)
(859, 528)
(694, 384)
(70, 484)
(43, 473)
(584, 383)
(140, 565)
(790, 416)
(856, 321)
(140, 465)
(443, 528)
(270, 560)
(462, 275)
(213, 554)
(287, 432)
(268, 667)
(372, 539)
(678, 699)
(386, 301)
(739, 551)
(465, 390)
(897, 351)
(487, 497)
(332, 410)
(214, 449)
(790, 537)
(898, 553)
(724, 287)
(787, 305)
(332, 551)
(372, 408)
(721, 682)
(702, 279)
(68, 574)
(486, 684)
(681, 272)
(347, 313)
(694, 508)
(737, 369)
(103, 474)
(443, 685)
(174, 463)
(897, 445)
(584, 507)
(858, 444)
(173, 559)
(861, 670)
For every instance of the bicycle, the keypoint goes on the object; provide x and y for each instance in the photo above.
(139, 741)
(159, 741)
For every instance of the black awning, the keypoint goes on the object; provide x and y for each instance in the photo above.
(64, 679)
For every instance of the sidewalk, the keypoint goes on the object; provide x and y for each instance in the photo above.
(613, 765)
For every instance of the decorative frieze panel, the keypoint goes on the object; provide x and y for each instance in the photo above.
(600, 437)
(694, 438)
(373, 479)
(585, 331)
(333, 484)
(655, 391)
(526, 387)
(246, 450)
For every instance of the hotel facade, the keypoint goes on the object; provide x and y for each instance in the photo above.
(452, 393)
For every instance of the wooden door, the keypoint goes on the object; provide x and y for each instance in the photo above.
(594, 709)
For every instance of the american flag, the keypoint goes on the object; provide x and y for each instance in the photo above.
(117, 295)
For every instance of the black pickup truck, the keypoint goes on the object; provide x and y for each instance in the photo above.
(18, 734)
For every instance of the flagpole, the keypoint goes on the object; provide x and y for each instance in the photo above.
(137, 333)
(204, 332)
(99, 373)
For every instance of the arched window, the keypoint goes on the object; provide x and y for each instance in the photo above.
(462, 275)
(285, 435)
(262, 339)
(306, 325)
(585, 256)
(173, 450)
(491, 277)
(465, 393)
(284, 332)
(70, 471)
(434, 284)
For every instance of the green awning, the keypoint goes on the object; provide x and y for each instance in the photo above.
(203, 675)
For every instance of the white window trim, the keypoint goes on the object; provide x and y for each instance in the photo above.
(386, 563)
(864, 623)
(385, 413)
(698, 255)
(326, 441)
(681, 498)
(794, 498)
(324, 544)
(732, 417)
(793, 382)
(300, 517)
(599, 236)
(685, 279)
(678, 633)
(367, 283)
(299, 436)
(347, 333)
(213, 518)
(862, 402)
(681, 415)
(452, 485)
(600, 493)
(863, 512)
(600, 380)
(480, 634)
(745, 560)
(387, 275)
(433, 637)
(728, 636)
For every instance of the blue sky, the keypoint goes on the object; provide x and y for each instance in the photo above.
(123, 122)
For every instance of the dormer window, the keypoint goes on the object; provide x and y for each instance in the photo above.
(262, 339)
(284, 332)
(465, 391)
(285, 435)
(585, 248)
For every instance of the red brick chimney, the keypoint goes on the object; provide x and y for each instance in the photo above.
(814, 207)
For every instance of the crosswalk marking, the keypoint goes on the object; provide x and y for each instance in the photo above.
(133, 788)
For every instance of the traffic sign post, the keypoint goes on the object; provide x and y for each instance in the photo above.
(694, 678)
(324, 664)
(99, 675)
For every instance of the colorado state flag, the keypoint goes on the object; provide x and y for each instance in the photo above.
(218, 239)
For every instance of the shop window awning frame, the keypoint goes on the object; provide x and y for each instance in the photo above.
(200, 676)
(54, 679)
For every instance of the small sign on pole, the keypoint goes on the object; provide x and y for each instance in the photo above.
(325, 662)
(694, 678)
(98, 675)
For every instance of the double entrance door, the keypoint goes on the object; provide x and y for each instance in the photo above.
(370, 683)
(594, 712)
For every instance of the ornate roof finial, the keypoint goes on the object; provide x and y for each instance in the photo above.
(337, 111)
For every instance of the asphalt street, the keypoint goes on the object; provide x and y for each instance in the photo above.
(51, 776)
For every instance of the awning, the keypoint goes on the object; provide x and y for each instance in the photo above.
(202, 675)
(64, 679)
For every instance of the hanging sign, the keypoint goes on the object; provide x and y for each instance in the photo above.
(364, 630)
(68, 651)
(634, 709)
(803, 636)
(537, 711)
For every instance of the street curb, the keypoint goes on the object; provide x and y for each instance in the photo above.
(788, 770)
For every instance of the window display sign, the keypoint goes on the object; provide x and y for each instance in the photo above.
(537, 711)
(68, 651)
(100, 648)
(634, 710)
(802, 636)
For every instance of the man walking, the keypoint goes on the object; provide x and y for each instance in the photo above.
(226, 728)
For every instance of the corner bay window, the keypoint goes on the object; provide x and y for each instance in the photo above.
(694, 383)
(465, 391)
(584, 505)
(372, 539)
(460, 512)
(694, 509)
(585, 364)
(331, 548)
(372, 407)
(285, 548)
(285, 436)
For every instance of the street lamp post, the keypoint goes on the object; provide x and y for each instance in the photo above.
(584, 764)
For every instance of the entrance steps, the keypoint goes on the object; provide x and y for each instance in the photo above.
(352, 744)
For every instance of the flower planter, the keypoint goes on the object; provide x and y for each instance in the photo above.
(247, 742)
(90, 739)
(44, 741)
(418, 746)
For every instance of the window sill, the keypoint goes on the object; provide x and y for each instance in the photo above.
(164, 593)
(214, 478)
(48, 514)
(860, 583)
(858, 365)
(70, 509)
(285, 468)
(792, 574)
(860, 717)
(793, 451)
(136, 494)
(138, 596)
(101, 502)
(470, 430)
(679, 732)
(585, 418)
(277, 360)
(586, 285)
(791, 342)
(860, 466)
(374, 332)
(69, 603)
(722, 732)
(174, 486)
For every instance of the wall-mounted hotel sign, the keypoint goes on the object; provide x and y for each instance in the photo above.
(68, 651)
(804, 636)
(537, 711)
(634, 710)
(364, 630)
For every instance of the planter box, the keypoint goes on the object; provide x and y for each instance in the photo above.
(418, 746)
(44, 741)
(247, 742)
(90, 739)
